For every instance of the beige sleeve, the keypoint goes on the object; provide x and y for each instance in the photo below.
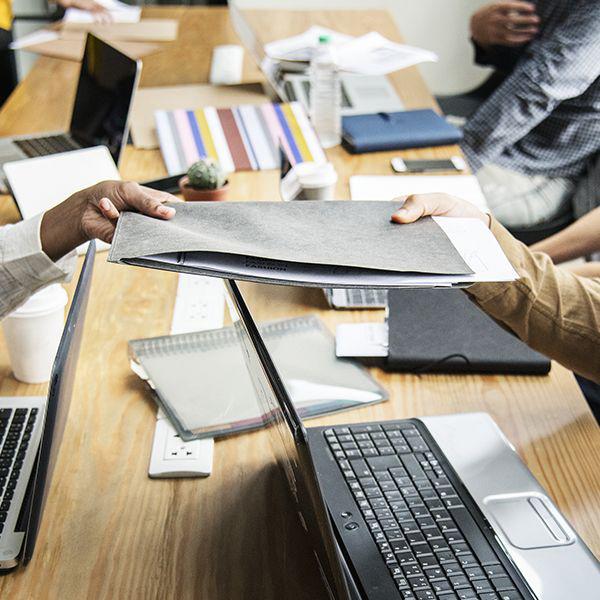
(549, 308)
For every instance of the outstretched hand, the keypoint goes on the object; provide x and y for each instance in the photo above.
(439, 205)
(93, 213)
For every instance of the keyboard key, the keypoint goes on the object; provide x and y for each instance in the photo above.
(510, 595)
(503, 583)
(401, 583)
(482, 585)
(360, 468)
(495, 571)
(441, 586)
(383, 463)
(459, 581)
(466, 594)
(452, 568)
(424, 595)
(474, 573)
(365, 428)
(418, 583)
(433, 573)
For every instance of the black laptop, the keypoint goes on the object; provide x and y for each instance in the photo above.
(418, 509)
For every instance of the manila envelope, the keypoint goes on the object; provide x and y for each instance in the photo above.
(148, 100)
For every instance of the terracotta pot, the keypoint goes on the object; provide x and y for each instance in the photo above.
(193, 195)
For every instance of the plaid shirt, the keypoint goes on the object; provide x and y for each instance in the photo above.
(544, 119)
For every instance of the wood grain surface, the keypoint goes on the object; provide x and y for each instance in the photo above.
(109, 532)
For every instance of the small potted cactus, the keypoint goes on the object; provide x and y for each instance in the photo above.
(205, 180)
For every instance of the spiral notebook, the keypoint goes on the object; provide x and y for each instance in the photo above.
(201, 379)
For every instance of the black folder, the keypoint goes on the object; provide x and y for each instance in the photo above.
(443, 331)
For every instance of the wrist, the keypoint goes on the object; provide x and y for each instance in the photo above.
(61, 230)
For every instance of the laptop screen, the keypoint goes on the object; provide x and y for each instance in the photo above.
(107, 81)
(288, 440)
(59, 399)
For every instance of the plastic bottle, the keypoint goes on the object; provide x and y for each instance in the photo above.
(325, 94)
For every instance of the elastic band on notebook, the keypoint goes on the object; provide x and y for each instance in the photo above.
(426, 368)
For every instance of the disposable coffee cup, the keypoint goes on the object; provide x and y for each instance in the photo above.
(33, 332)
(317, 181)
(227, 65)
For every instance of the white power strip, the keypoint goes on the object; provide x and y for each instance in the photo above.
(199, 305)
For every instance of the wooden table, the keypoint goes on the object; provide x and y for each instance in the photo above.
(111, 532)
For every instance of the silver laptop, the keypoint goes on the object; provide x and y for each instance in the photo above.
(107, 83)
(31, 430)
(361, 94)
(420, 509)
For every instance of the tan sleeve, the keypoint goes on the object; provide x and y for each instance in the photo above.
(549, 308)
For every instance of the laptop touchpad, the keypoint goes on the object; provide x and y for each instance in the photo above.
(529, 521)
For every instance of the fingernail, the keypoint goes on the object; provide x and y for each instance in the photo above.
(166, 211)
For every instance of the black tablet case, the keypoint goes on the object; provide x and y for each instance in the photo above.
(443, 331)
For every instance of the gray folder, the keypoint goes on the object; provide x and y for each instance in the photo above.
(333, 244)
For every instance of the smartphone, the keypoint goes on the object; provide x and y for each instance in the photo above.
(456, 163)
(165, 184)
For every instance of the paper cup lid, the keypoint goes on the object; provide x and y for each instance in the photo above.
(45, 301)
(315, 175)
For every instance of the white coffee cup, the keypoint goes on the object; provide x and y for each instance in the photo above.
(33, 332)
(317, 181)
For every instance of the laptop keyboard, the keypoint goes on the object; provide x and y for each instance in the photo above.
(366, 297)
(358, 298)
(428, 539)
(45, 146)
(16, 426)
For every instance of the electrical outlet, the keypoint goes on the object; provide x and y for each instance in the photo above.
(172, 457)
(177, 449)
(199, 305)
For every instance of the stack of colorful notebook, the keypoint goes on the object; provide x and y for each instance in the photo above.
(242, 138)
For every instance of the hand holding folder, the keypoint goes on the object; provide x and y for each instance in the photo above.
(315, 244)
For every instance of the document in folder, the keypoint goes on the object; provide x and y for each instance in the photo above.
(315, 244)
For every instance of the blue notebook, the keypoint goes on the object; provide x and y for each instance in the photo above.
(397, 130)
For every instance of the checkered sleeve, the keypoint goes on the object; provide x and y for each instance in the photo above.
(556, 67)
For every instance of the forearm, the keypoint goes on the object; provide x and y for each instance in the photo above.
(579, 239)
(549, 308)
(60, 230)
(24, 267)
(588, 269)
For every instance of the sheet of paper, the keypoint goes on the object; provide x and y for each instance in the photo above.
(361, 340)
(388, 187)
(372, 54)
(479, 249)
(41, 36)
(300, 47)
(119, 13)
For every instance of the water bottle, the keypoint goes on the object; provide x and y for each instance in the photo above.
(325, 94)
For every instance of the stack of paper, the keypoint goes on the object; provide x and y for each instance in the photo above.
(242, 138)
(315, 244)
(370, 54)
(118, 12)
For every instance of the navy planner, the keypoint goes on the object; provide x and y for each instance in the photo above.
(397, 130)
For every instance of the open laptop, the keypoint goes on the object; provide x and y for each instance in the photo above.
(31, 429)
(107, 82)
(361, 94)
(421, 509)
